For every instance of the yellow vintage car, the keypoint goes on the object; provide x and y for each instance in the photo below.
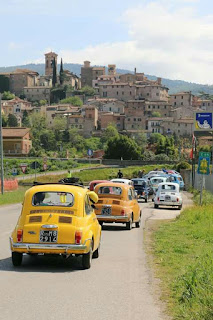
(57, 219)
(117, 203)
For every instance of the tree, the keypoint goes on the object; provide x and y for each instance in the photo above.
(156, 138)
(54, 78)
(25, 119)
(141, 139)
(7, 95)
(42, 102)
(122, 147)
(110, 132)
(4, 121)
(59, 123)
(75, 101)
(156, 114)
(88, 91)
(12, 121)
(61, 74)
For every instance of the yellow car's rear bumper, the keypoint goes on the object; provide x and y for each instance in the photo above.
(50, 248)
(110, 218)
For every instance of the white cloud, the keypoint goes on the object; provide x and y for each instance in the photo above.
(169, 41)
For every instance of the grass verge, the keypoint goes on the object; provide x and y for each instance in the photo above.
(11, 197)
(184, 262)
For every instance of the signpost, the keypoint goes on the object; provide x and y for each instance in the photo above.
(14, 171)
(23, 167)
(34, 165)
(203, 169)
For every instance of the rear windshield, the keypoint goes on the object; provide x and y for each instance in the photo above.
(139, 183)
(168, 187)
(156, 181)
(110, 190)
(62, 199)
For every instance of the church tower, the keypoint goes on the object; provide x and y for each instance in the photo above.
(49, 57)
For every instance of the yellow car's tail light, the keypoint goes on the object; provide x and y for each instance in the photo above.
(78, 237)
(19, 235)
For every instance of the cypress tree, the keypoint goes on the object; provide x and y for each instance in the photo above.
(54, 78)
(61, 75)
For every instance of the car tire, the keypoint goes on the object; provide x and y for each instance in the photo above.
(180, 207)
(129, 224)
(17, 258)
(87, 259)
(156, 206)
(96, 253)
(146, 200)
(138, 223)
(101, 223)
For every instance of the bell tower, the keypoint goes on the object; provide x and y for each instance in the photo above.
(49, 57)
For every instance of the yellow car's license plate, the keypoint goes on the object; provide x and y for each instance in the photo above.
(48, 236)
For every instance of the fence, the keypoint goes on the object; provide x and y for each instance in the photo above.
(187, 177)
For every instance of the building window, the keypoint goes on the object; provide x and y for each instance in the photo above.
(175, 103)
(112, 86)
(182, 97)
(122, 92)
(104, 94)
(178, 124)
(130, 93)
(153, 107)
(147, 94)
(181, 103)
(158, 107)
(164, 107)
(128, 119)
(134, 119)
(175, 97)
(118, 118)
(157, 94)
(104, 87)
(148, 107)
(117, 93)
(76, 120)
(185, 124)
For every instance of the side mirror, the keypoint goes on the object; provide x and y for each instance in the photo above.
(93, 197)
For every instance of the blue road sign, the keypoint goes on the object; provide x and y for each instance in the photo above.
(90, 152)
(203, 121)
(204, 163)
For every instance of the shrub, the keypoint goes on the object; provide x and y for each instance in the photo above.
(182, 165)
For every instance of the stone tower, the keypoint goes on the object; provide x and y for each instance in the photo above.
(49, 57)
(111, 69)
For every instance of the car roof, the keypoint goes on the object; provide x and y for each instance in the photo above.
(113, 184)
(170, 183)
(56, 188)
(140, 179)
(117, 179)
(97, 181)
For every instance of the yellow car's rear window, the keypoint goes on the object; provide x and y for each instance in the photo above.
(117, 191)
(49, 198)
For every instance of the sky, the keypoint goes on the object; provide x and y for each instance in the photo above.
(167, 38)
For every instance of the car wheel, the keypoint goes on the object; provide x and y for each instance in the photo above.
(96, 253)
(156, 206)
(129, 224)
(101, 223)
(17, 258)
(146, 199)
(138, 223)
(87, 259)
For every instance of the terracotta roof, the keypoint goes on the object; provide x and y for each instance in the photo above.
(180, 93)
(160, 119)
(14, 132)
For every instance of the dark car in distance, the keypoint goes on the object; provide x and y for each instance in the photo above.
(142, 188)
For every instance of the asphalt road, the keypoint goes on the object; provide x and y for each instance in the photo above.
(119, 284)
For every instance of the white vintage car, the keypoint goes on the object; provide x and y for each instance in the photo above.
(168, 194)
(121, 180)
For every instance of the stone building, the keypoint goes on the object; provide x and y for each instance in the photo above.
(21, 78)
(88, 73)
(183, 127)
(181, 99)
(118, 90)
(16, 141)
(16, 106)
(109, 117)
(49, 57)
(37, 93)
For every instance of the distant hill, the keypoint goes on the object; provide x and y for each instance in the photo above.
(173, 85)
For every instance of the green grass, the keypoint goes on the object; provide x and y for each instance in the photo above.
(183, 253)
(11, 197)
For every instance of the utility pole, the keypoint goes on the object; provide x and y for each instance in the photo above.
(1, 150)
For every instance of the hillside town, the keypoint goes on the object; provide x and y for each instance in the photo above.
(131, 102)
